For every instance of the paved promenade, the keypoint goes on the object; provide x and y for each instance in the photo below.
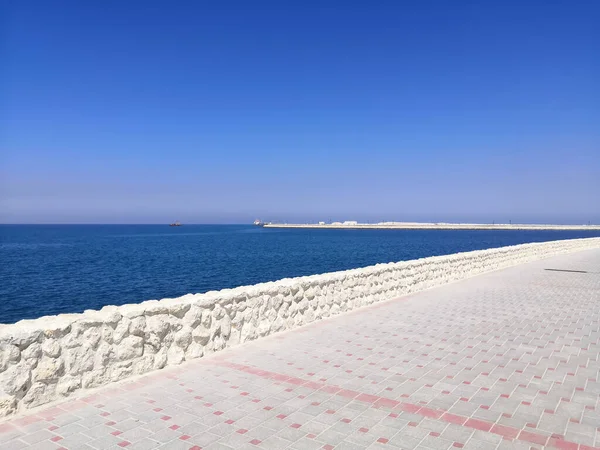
(504, 360)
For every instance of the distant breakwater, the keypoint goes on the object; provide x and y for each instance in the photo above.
(54, 357)
(431, 226)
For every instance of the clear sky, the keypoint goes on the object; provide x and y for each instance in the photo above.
(225, 111)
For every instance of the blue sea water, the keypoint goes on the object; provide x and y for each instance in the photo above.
(52, 269)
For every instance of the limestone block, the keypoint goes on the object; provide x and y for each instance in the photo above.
(79, 360)
(234, 336)
(153, 341)
(158, 325)
(8, 404)
(149, 349)
(34, 351)
(278, 324)
(194, 350)
(107, 334)
(264, 328)
(239, 307)
(51, 348)
(92, 336)
(94, 378)
(277, 301)
(67, 384)
(175, 355)
(225, 326)
(90, 319)
(143, 364)
(103, 355)
(132, 311)
(309, 316)
(9, 354)
(110, 314)
(284, 310)
(129, 348)
(248, 332)
(154, 307)
(179, 309)
(121, 370)
(201, 335)
(303, 305)
(38, 394)
(193, 317)
(121, 330)
(271, 315)
(16, 380)
(48, 370)
(137, 326)
(160, 359)
(206, 318)
(219, 343)
(21, 336)
(218, 312)
(183, 337)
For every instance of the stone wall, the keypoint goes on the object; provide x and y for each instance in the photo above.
(53, 357)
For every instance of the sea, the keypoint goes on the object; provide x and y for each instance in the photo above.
(53, 269)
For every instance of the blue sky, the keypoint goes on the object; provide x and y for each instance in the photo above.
(221, 112)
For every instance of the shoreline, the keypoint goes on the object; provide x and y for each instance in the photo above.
(47, 359)
(434, 226)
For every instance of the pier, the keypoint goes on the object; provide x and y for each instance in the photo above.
(430, 226)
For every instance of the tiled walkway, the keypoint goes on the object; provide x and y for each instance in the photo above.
(504, 360)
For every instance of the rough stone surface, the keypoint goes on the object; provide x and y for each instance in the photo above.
(52, 357)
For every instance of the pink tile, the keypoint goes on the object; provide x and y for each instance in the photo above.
(409, 407)
(386, 403)
(348, 393)
(534, 438)
(563, 445)
(478, 424)
(431, 413)
(453, 418)
(505, 431)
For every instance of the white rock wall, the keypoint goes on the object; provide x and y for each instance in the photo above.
(50, 358)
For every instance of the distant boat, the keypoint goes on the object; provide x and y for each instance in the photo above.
(259, 223)
(175, 224)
